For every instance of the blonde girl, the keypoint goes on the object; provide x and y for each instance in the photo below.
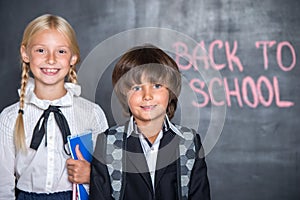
(35, 160)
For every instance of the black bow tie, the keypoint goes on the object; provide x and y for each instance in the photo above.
(41, 130)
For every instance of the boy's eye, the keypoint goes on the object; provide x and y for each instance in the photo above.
(136, 88)
(157, 86)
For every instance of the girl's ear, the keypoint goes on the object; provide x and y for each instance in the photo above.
(24, 54)
(74, 59)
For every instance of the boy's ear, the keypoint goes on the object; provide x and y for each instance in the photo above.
(24, 54)
(74, 59)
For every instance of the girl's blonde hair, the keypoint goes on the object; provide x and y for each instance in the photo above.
(41, 23)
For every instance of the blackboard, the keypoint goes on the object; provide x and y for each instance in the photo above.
(252, 46)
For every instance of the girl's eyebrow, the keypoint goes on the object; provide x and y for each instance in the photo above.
(45, 45)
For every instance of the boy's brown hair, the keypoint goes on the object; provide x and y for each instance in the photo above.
(152, 63)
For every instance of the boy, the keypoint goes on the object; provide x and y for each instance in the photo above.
(149, 157)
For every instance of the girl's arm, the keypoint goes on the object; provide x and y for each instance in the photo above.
(78, 170)
(7, 158)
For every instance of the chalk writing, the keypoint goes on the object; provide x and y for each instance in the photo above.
(246, 90)
(268, 44)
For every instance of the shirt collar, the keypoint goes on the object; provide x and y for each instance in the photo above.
(167, 125)
(66, 100)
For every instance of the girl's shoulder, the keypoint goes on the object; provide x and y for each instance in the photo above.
(8, 116)
(85, 104)
(89, 112)
(10, 111)
(83, 101)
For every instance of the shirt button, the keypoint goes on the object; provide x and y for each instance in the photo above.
(48, 183)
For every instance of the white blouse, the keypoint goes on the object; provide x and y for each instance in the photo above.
(44, 170)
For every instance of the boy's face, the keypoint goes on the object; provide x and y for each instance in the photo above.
(148, 102)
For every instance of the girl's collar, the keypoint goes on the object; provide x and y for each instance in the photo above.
(66, 100)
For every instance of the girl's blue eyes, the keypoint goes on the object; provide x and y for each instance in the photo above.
(40, 50)
(61, 51)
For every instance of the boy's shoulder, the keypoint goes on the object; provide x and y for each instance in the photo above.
(119, 128)
(183, 130)
(116, 129)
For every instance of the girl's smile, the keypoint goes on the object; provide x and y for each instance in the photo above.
(50, 71)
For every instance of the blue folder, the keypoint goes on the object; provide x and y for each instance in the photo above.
(85, 146)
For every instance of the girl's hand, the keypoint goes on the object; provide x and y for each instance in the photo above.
(78, 170)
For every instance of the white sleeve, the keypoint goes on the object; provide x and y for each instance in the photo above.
(7, 157)
(100, 123)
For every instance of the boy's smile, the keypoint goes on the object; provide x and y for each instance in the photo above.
(148, 108)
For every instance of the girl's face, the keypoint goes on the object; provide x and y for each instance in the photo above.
(49, 57)
(148, 102)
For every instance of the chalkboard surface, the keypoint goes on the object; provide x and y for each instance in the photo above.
(253, 102)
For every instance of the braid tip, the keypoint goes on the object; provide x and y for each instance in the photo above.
(21, 111)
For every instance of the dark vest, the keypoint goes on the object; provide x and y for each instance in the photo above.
(186, 152)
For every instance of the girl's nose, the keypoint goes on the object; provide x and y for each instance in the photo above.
(51, 58)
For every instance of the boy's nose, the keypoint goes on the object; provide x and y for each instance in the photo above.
(147, 94)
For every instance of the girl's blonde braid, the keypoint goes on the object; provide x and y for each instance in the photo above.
(73, 74)
(19, 134)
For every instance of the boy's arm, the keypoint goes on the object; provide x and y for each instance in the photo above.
(199, 185)
(100, 186)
